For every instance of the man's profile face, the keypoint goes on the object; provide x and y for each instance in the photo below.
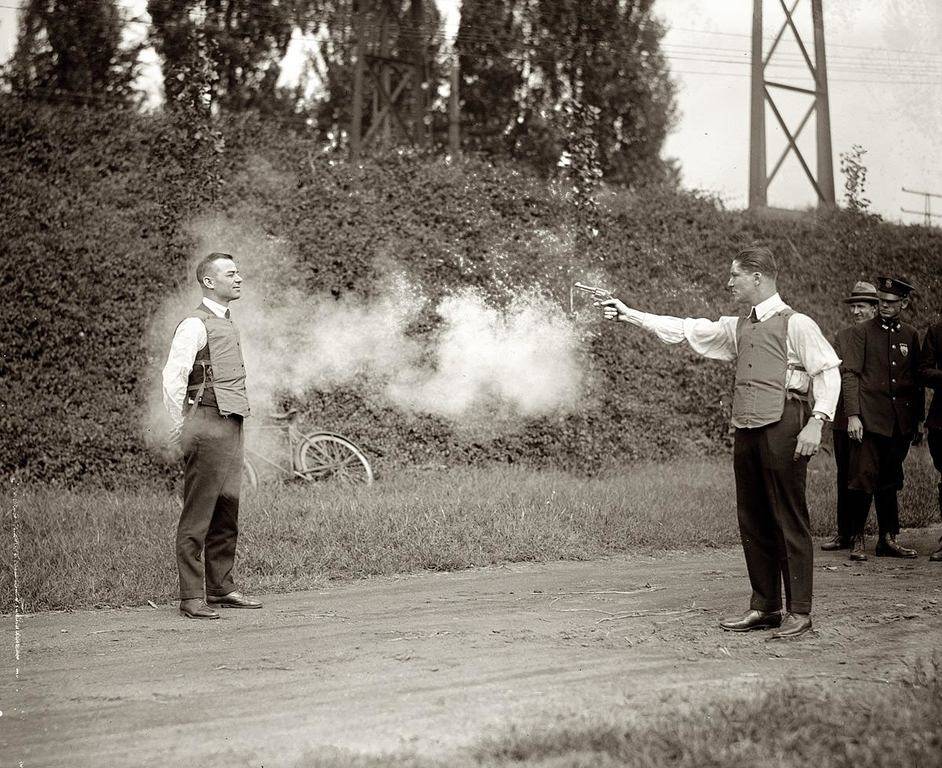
(742, 285)
(862, 311)
(890, 308)
(224, 279)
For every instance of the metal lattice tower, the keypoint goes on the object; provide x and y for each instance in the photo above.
(399, 103)
(762, 94)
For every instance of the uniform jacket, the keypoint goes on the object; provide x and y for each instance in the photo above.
(880, 377)
(930, 373)
(840, 344)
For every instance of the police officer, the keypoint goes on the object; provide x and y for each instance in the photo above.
(930, 375)
(885, 403)
(781, 358)
(862, 306)
(204, 393)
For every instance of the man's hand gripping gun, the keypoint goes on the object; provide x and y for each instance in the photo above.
(612, 305)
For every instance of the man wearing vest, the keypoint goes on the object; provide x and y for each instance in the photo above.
(885, 404)
(862, 304)
(204, 392)
(781, 358)
(930, 375)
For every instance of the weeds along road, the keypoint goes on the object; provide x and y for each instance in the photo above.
(436, 661)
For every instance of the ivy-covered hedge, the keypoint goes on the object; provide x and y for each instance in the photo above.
(85, 266)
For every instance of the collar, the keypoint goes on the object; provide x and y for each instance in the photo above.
(219, 310)
(890, 325)
(765, 309)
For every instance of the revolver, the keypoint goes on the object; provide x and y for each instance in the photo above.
(596, 293)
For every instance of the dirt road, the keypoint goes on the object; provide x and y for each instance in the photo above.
(431, 662)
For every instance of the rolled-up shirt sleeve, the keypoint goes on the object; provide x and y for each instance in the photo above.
(715, 339)
(190, 338)
(819, 360)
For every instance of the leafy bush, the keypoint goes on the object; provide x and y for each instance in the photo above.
(85, 259)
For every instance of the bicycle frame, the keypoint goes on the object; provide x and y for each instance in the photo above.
(294, 438)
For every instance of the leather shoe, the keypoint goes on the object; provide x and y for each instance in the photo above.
(233, 600)
(857, 551)
(752, 620)
(793, 625)
(838, 542)
(936, 557)
(194, 608)
(887, 547)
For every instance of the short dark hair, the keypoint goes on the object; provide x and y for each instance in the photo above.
(202, 269)
(757, 258)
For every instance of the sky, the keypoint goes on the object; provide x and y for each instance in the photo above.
(885, 85)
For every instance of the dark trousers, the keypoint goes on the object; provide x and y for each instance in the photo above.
(773, 514)
(849, 502)
(209, 524)
(876, 466)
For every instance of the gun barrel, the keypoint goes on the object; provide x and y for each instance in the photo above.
(592, 289)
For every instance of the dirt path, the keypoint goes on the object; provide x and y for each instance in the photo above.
(431, 662)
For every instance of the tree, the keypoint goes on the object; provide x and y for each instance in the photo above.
(491, 48)
(411, 34)
(73, 48)
(855, 179)
(603, 54)
(245, 41)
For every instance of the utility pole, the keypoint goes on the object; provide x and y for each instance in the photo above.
(926, 212)
(761, 94)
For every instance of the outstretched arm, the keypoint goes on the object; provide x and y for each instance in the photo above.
(715, 339)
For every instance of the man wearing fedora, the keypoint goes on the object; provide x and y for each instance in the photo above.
(862, 306)
(930, 374)
(885, 403)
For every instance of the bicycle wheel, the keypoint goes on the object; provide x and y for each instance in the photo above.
(325, 457)
(249, 475)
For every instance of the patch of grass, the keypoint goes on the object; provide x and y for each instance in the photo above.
(794, 726)
(89, 548)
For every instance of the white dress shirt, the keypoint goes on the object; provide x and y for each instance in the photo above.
(190, 338)
(806, 347)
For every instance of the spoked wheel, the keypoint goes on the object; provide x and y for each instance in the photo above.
(324, 457)
(249, 475)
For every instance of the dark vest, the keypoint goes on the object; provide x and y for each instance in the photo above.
(218, 375)
(761, 370)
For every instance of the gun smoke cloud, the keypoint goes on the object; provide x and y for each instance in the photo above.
(481, 363)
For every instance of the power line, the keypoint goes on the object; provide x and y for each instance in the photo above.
(830, 44)
(926, 212)
(484, 35)
(887, 74)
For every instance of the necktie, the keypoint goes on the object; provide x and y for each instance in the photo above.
(753, 317)
(227, 314)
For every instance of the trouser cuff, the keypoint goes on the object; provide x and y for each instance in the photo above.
(799, 608)
(766, 606)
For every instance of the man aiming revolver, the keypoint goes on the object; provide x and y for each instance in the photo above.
(781, 358)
